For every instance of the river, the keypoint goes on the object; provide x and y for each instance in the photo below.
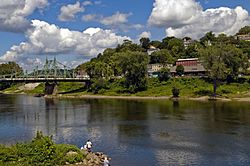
(135, 132)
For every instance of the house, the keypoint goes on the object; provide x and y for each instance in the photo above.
(243, 37)
(192, 67)
(152, 49)
(187, 41)
(187, 62)
(154, 69)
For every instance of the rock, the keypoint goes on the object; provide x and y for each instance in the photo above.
(71, 153)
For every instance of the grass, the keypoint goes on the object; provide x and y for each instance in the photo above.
(188, 87)
(41, 151)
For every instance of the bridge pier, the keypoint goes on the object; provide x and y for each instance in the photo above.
(50, 88)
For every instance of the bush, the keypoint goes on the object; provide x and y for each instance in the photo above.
(175, 92)
(41, 151)
(203, 92)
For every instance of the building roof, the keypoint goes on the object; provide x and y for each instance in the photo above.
(188, 59)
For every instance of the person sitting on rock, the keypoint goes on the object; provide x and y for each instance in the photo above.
(88, 145)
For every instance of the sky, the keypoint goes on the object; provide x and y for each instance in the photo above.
(74, 31)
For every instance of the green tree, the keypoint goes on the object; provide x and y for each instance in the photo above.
(164, 74)
(223, 61)
(162, 56)
(244, 31)
(10, 68)
(155, 43)
(128, 46)
(134, 66)
(208, 38)
(145, 43)
(180, 70)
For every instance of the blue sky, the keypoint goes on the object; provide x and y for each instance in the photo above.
(76, 30)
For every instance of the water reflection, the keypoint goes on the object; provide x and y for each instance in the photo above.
(135, 132)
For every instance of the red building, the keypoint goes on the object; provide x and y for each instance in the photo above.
(187, 62)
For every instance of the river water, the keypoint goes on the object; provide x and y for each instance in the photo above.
(135, 132)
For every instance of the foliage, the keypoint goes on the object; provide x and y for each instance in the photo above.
(41, 151)
(164, 74)
(243, 31)
(98, 85)
(180, 70)
(134, 66)
(162, 56)
(175, 91)
(10, 68)
(223, 61)
(145, 43)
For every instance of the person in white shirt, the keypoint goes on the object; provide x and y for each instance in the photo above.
(89, 145)
(106, 162)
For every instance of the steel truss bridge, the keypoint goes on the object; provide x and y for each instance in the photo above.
(52, 71)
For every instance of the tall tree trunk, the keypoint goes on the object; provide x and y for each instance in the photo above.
(215, 87)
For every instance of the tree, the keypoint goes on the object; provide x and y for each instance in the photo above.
(128, 46)
(222, 61)
(162, 56)
(180, 70)
(155, 43)
(164, 74)
(10, 68)
(244, 31)
(134, 66)
(145, 43)
(208, 38)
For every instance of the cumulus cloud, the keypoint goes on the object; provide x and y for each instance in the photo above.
(46, 39)
(86, 3)
(69, 11)
(116, 19)
(89, 17)
(13, 13)
(187, 18)
(145, 34)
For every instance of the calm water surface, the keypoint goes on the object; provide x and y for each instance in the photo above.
(135, 132)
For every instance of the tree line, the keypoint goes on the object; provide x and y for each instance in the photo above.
(223, 56)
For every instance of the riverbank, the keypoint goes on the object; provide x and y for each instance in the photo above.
(43, 151)
(189, 89)
(202, 98)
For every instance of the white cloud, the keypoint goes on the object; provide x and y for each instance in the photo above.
(87, 3)
(98, 2)
(187, 18)
(69, 11)
(45, 39)
(116, 19)
(145, 34)
(13, 13)
(89, 17)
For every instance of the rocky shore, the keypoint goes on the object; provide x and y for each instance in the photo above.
(92, 158)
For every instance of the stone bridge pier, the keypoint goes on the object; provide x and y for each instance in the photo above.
(50, 88)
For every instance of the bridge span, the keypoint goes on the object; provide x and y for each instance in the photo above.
(34, 80)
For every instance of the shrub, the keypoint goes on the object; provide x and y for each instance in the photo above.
(203, 92)
(175, 92)
(41, 151)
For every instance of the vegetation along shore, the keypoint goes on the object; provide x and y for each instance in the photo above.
(43, 151)
(214, 66)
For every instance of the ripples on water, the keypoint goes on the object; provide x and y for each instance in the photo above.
(135, 132)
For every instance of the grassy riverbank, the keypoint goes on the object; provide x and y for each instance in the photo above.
(40, 151)
(189, 88)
